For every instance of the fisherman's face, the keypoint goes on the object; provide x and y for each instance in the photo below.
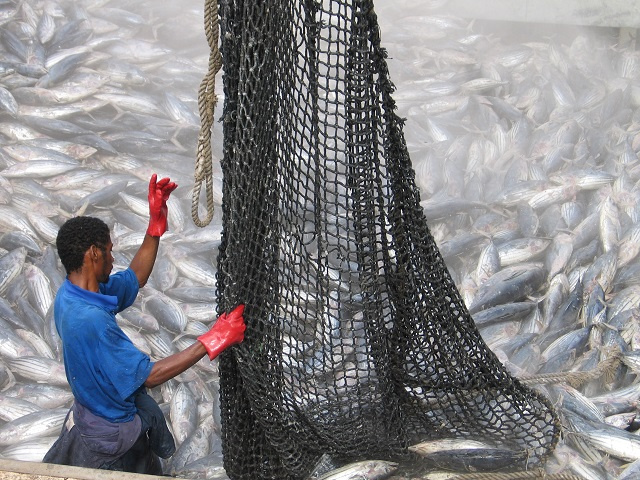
(104, 262)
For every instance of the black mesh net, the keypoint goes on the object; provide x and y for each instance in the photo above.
(358, 342)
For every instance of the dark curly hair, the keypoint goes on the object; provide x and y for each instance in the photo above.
(76, 236)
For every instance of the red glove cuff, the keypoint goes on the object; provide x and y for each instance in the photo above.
(157, 226)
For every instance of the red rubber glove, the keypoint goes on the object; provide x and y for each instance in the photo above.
(159, 192)
(228, 330)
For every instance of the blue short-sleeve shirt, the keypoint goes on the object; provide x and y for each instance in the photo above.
(104, 368)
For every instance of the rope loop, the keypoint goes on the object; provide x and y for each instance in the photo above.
(207, 100)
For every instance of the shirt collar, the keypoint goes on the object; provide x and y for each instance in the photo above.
(108, 302)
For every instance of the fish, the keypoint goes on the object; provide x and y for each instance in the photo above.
(39, 369)
(509, 284)
(14, 408)
(610, 228)
(428, 447)
(629, 246)
(166, 310)
(32, 450)
(46, 228)
(138, 319)
(569, 459)
(521, 250)
(12, 220)
(630, 471)
(503, 313)
(203, 312)
(39, 290)
(365, 470)
(558, 255)
(137, 338)
(8, 103)
(183, 413)
(435, 209)
(194, 268)
(161, 346)
(207, 467)
(614, 441)
(25, 153)
(195, 293)
(477, 459)
(43, 395)
(11, 345)
(11, 264)
(37, 342)
(33, 425)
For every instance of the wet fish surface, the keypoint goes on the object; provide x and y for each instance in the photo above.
(525, 153)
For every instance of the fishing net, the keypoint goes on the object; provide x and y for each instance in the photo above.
(358, 343)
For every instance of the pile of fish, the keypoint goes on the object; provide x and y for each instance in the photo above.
(94, 98)
(525, 155)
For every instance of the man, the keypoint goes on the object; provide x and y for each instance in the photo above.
(113, 423)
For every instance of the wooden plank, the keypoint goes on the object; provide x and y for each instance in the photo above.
(19, 470)
(602, 13)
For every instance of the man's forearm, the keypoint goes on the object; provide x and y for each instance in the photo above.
(145, 258)
(169, 367)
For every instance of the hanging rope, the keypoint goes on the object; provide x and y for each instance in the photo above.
(206, 103)
(604, 369)
(533, 474)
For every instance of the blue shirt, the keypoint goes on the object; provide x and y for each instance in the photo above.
(104, 368)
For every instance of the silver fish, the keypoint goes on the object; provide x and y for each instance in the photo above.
(521, 250)
(12, 346)
(609, 224)
(39, 289)
(39, 345)
(139, 320)
(33, 425)
(183, 413)
(8, 102)
(508, 285)
(11, 265)
(365, 470)
(197, 445)
(46, 228)
(40, 369)
(41, 394)
(629, 246)
(166, 310)
(32, 450)
(13, 408)
(618, 443)
(161, 347)
(37, 169)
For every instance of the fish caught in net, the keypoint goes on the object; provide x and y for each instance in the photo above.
(358, 345)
